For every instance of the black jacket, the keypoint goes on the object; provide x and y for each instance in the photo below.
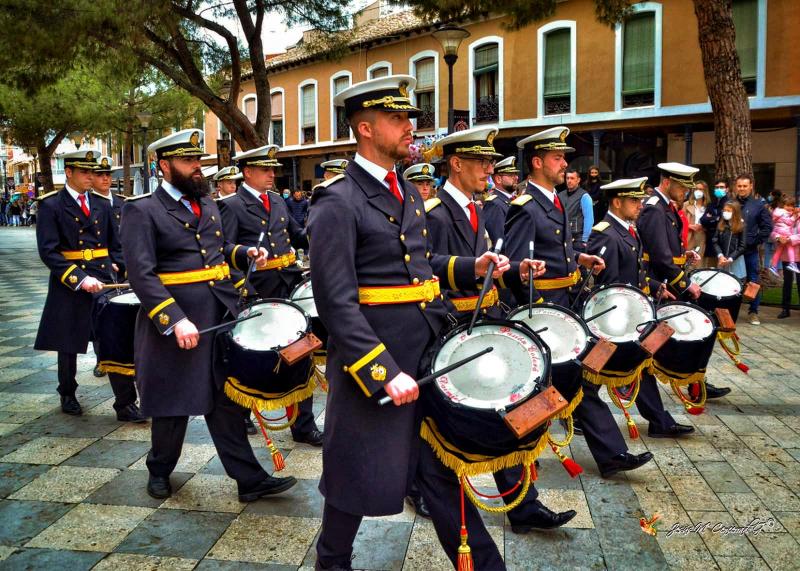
(298, 209)
(729, 244)
(757, 221)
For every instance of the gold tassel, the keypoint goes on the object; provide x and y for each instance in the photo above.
(464, 561)
(277, 457)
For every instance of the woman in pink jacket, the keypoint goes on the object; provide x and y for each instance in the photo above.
(791, 251)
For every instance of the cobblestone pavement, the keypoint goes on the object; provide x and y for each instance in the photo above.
(73, 489)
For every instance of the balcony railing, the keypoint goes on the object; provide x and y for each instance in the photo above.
(277, 132)
(644, 99)
(342, 127)
(487, 109)
(309, 135)
(557, 105)
(426, 119)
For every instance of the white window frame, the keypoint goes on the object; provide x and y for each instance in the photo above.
(338, 75)
(300, 87)
(635, 9)
(248, 97)
(500, 63)
(412, 62)
(219, 128)
(378, 64)
(273, 91)
(541, 33)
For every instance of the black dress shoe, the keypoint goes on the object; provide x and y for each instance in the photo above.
(98, 372)
(543, 518)
(713, 392)
(249, 426)
(266, 487)
(577, 427)
(70, 405)
(784, 314)
(319, 567)
(131, 413)
(158, 487)
(674, 431)
(314, 438)
(419, 506)
(623, 463)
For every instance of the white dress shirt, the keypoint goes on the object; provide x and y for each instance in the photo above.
(458, 196)
(377, 171)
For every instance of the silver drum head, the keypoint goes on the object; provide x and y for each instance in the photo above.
(692, 326)
(508, 374)
(723, 285)
(565, 335)
(279, 325)
(308, 305)
(125, 299)
(618, 325)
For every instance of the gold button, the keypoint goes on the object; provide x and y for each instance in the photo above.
(407, 258)
(98, 232)
(412, 198)
(217, 233)
(263, 223)
(402, 237)
(565, 244)
(285, 231)
(422, 305)
(424, 231)
(197, 236)
(272, 244)
(391, 219)
(83, 267)
(97, 222)
(288, 240)
(80, 242)
(441, 296)
(103, 266)
(345, 368)
(633, 248)
(283, 219)
(268, 233)
(415, 281)
(212, 217)
(558, 231)
(77, 220)
(203, 252)
(207, 266)
(569, 259)
(417, 212)
(427, 254)
(211, 283)
(186, 225)
(220, 250)
(99, 244)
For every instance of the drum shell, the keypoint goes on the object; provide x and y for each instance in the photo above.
(317, 327)
(114, 325)
(263, 371)
(684, 356)
(478, 431)
(732, 303)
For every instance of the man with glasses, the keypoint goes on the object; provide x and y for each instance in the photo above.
(495, 208)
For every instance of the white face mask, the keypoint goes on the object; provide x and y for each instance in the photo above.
(698, 194)
(727, 215)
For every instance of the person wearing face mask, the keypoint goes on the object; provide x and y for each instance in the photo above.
(711, 218)
(729, 240)
(297, 205)
(695, 209)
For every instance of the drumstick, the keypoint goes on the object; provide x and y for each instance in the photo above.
(584, 279)
(227, 323)
(443, 371)
(658, 319)
(486, 282)
(705, 281)
(302, 298)
(250, 268)
(542, 330)
(116, 286)
(530, 281)
(601, 314)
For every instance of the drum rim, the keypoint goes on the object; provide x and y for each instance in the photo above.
(616, 284)
(741, 282)
(544, 382)
(711, 318)
(117, 295)
(298, 286)
(278, 300)
(550, 305)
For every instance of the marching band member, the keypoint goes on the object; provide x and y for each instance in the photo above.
(495, 209)
(625, 264)
(538, 215)
(374, 286)
(176, 255)
(456, 227)
(660, 229)
(421, 176)
(333, 168)
(226, 180)
(77, 241)
(257, 208)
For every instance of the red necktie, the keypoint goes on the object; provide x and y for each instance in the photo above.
(473, 217)
(391, 178)
(84, 206)
(674, 209)
(195, 206)
(632, 232)
(265, 202)
(557, 203)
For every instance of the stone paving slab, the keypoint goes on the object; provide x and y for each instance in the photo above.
(72, 489)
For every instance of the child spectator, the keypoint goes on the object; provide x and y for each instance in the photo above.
(784, 220)
(729, 240)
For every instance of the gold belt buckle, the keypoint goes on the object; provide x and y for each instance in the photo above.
(284, 260)
(87, 255)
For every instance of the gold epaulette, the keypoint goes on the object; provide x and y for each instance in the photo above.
(522, 200)
(48, 195)
(601, 226)
(226, 197)
(130, 198)
(652, 201)
(432, 203)
(490, 197)
(330, 181)
(95, 193)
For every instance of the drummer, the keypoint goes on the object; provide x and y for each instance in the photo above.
(225, 180)
(257, 208)
(176, 256)
(616, 233)
(660, 227)
(421, 176)
(538, 215)
(369, 241)
(333, 168)
(456, 227)
(78, 243)
(495, 209)
(124, 386)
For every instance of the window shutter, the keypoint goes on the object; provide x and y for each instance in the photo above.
(638, 60)
(308, 106)
(557, 63)
(745, 20)
(424, 69)
(276, 109)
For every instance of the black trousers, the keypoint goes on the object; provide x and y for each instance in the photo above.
(600, 430)
(440, 488)
(788, 278)
(650, 404)
(67, 371)
(305, 422)
(226, 425)
(124, 388)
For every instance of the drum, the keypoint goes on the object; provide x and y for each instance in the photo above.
(463, 411)
(114, 324)
(719, 289)
(257, 376)
(684, 357)
(568, 339)
(625, 315)
(303, 296)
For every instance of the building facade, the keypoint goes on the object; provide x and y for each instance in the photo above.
(633, 94)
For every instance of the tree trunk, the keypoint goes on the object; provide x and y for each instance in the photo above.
(127, 141)
(45, 171)
(723, 77)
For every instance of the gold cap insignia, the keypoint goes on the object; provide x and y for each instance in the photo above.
(641, 186)
(104, 162)
(194, 140)
(426, 170)
(272, 152)
(163, 319)
(563, 136)
(73, 279)
(378, 372)
(490, 139)
(90, 156)
(403, 88)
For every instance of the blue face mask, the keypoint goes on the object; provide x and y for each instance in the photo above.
(720, 192)
(286, 195)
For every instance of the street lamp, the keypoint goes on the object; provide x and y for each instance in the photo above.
(32, 151)
(144, 120)
(450, 37)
